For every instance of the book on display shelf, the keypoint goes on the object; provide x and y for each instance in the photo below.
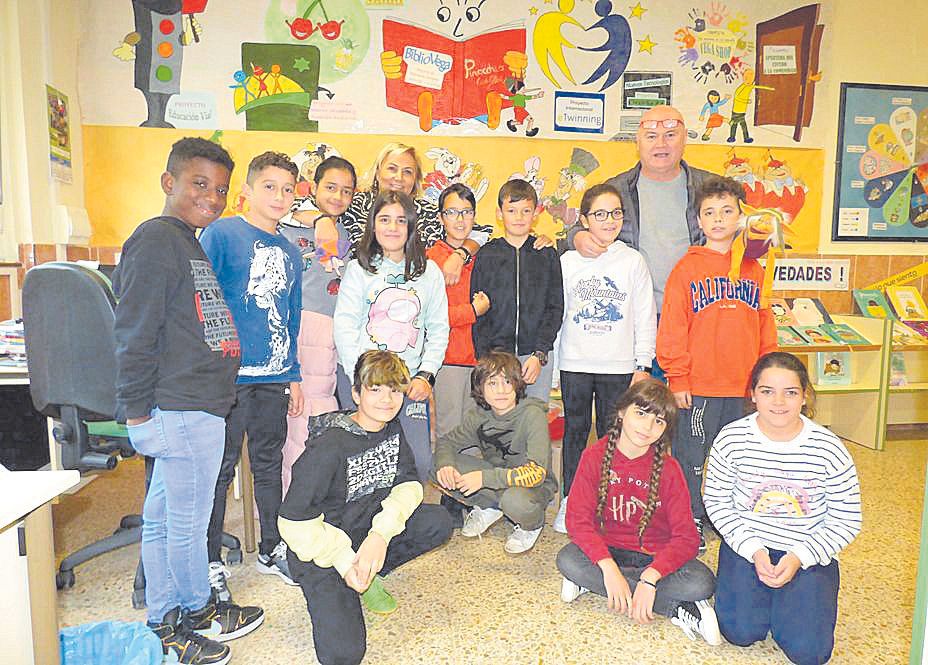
(872, 303)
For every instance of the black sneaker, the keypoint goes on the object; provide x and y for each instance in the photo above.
(702, 537)
(275, 563)
(218, 576)
(455, 509)
(224, 621)
(698, 618)
(182, 645)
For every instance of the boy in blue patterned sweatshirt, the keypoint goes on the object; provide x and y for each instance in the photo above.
(259, 271)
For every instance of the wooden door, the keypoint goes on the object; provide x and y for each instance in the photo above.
(787, 53)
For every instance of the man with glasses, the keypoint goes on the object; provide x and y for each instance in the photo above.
(657, 196)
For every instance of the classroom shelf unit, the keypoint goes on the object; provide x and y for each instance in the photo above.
(861, 411)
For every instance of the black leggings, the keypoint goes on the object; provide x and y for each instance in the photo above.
(580, 391)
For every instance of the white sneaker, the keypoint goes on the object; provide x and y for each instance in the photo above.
(698, 617)
(570, 591)
(479, 520)
(521, 540)
(218, 574)
(560, 520)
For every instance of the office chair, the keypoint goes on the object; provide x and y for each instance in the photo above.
(69, 316)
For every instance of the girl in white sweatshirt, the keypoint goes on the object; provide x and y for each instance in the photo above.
(608, 333)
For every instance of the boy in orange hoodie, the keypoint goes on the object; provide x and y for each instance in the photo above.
(457, 208)
(712, 330)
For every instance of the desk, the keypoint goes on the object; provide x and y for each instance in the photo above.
(29, 630)
(21, 426)
(13, 376)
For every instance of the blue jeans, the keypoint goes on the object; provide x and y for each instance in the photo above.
(187, 447)
(801, 615)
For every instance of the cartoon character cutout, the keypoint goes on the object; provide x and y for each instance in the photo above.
(392, 322)
(572, 178)
(307, 160)
(449, 169)
(531, 175)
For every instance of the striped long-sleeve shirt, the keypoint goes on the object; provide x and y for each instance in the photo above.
(800, 496)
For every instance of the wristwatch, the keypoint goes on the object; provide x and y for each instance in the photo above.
(464, 254)
(642, 368)
(542, 357)
(428, 376)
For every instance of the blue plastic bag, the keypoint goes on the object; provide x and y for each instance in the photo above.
(110, 643)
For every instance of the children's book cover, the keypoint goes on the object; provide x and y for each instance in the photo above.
(816, 335)
(844, 334)
(908, 303)
(897, 374)
(444, 79)
(782, 313)
(809, 311)
(833, 368)
(872, 303)
(921, 327)
(788, 336)
(905, 336)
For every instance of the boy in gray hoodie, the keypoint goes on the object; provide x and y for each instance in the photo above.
(512, 475)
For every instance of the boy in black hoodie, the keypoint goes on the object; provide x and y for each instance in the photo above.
(524, 285)
(354, 510)
(177, 353)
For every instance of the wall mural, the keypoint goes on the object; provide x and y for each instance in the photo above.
(740, 72)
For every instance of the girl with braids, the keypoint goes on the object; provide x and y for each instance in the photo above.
(783, 493)
(632, 534)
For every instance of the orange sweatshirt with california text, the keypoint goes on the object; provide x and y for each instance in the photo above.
(712, 330)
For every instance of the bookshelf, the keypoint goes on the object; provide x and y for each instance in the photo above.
(861, 411)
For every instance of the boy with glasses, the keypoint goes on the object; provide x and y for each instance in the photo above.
(457, 208)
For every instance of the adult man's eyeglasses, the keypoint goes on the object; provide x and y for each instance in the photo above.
(602, 215)
(452, 213)
(667, 123)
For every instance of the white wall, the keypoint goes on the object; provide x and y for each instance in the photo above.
(870, 43)
(38, 45)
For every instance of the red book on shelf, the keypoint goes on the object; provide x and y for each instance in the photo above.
(458, 73)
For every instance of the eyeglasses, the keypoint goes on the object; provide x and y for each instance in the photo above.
(452, 213)
(667, 123)
(603, 215)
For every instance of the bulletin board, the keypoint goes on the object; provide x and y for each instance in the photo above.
(881, 179)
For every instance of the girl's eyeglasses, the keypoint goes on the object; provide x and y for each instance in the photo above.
(603, 215)
(452, 213)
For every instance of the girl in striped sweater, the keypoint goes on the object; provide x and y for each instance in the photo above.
(783, 493)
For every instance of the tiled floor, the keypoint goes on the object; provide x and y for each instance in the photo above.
(471, 603)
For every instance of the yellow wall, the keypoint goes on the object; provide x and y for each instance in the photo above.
(124, 165)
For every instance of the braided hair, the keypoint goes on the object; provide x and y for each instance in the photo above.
(652, 397)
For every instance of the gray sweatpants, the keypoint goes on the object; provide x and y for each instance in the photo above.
(696, 430)
(523, 505)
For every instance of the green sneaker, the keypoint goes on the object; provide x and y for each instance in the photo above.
(377, 599)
